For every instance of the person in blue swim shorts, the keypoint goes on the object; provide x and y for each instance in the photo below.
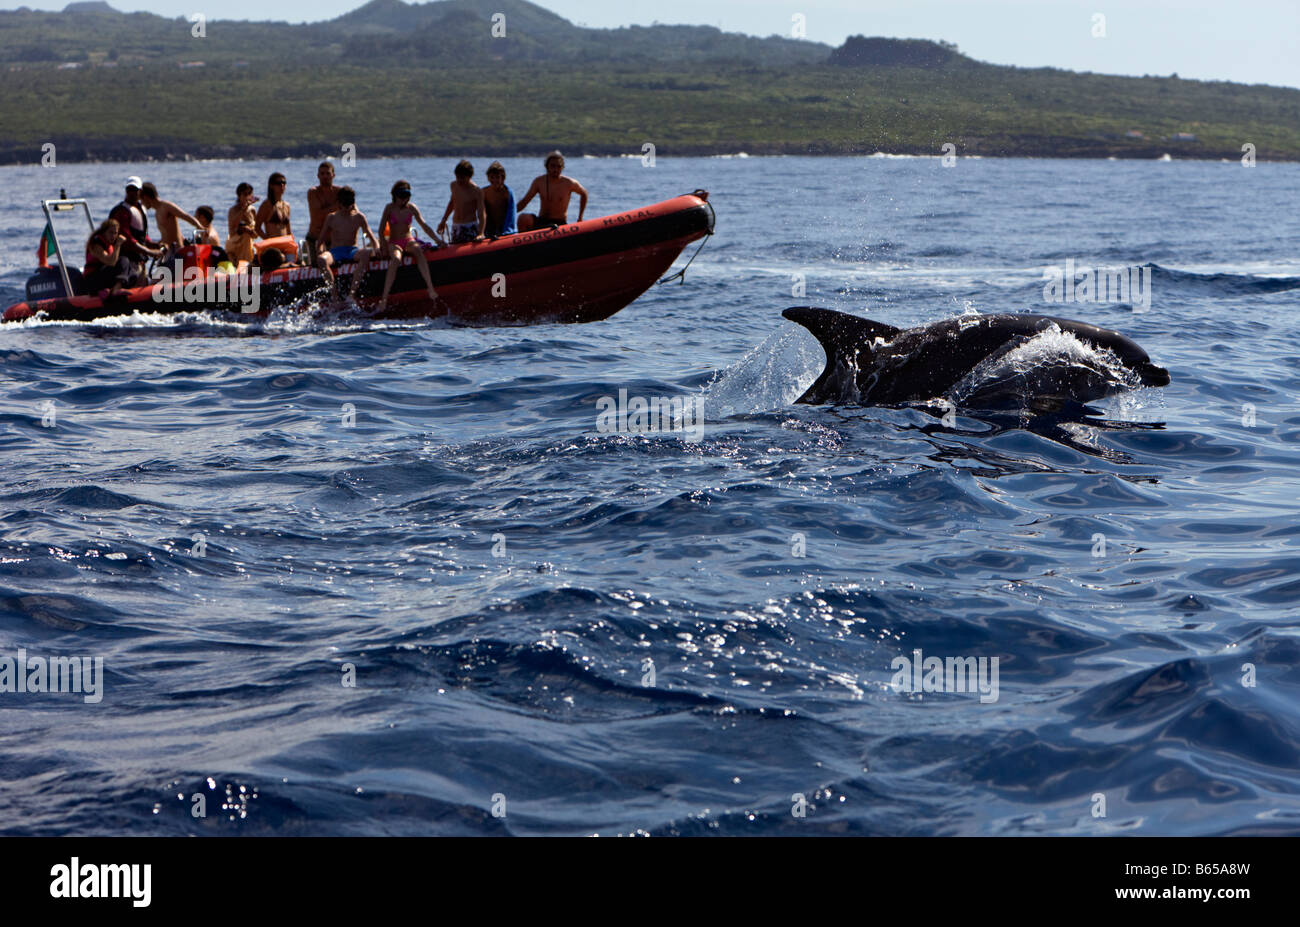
(338, 241)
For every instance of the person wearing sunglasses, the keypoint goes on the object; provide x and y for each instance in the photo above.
(273, 214)
(396, 240)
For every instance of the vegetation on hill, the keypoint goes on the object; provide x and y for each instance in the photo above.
(399, 79)
(861, 52)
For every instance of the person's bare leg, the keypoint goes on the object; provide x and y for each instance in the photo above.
(359, 273)
(526, 222)
(418, 253)
(394, 262)
(323, 261)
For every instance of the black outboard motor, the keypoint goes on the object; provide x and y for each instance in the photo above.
(47, 283)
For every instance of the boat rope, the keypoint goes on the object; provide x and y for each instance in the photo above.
(680, 276)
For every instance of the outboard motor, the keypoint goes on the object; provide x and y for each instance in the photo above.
(47, 283)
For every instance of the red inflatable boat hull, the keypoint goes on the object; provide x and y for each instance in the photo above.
(581, 272)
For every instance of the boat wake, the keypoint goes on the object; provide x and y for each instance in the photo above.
(309, 317)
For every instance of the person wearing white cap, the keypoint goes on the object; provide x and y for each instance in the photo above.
(134, 223)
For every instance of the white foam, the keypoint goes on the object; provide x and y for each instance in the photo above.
(1050, 347)
(311, 318)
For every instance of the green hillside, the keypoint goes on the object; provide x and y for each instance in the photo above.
(400, 79)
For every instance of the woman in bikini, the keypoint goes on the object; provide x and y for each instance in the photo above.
(273, 214)
(396, 240)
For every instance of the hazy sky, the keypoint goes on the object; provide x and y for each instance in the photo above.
(1251, 41)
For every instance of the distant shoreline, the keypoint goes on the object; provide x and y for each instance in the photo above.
(438, 80)
(166, 154)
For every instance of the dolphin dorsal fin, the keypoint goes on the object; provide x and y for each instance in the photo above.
(839, 332)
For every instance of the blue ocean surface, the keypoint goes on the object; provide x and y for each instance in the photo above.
(349, 577)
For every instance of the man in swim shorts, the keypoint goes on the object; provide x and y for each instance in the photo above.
(553, 189)
(321, 201)
(465, 207)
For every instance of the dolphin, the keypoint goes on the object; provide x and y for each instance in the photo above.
(870, 363)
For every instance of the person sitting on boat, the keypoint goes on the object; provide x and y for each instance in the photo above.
(553, 190)
(466, 203)
(270, 259)
(395, 239)
(133, 224)
(498, 203)
(208, 236)
(273, 214)
(338, 241)
(166, 214)
(108, 269)
(321, 201)
(243, 226)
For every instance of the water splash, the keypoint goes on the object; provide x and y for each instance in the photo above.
(308, 317)
(771, 376)
(1018, 371)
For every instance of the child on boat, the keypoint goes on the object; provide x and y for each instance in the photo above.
(207, 234)
(243, 226)
(498, 203)
(338, 241)
(466, 203)
(396, 240)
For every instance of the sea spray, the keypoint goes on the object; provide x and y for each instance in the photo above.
(771, 376)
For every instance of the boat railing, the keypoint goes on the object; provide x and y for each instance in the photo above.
(64, 204)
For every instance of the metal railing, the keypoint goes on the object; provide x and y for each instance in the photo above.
(64, 204)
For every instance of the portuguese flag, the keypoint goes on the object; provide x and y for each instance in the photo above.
(46, 247)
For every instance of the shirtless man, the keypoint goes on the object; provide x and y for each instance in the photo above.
(321, 201)
(166, 214)
(466, 201)
(553, 190)
(339, 236)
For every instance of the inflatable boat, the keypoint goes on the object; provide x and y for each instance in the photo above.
(578, 272)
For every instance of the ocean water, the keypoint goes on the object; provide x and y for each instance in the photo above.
(351, 578)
